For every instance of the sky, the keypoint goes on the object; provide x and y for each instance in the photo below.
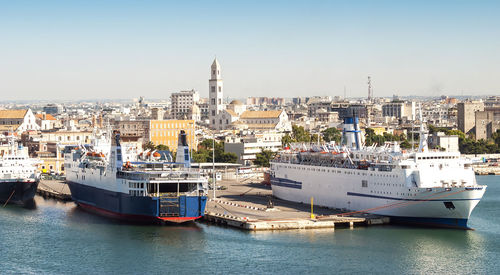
(63, 50)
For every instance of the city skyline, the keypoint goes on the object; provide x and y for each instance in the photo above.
(129, 49)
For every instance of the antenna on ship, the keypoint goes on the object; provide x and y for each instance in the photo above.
(368, 105)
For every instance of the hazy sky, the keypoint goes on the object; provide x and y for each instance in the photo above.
(124, 49)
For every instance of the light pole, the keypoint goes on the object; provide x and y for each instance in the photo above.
(213, 164)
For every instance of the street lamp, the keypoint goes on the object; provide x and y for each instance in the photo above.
(213, 164)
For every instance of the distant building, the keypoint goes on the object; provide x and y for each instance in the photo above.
(444, 142)
(166, 132)
(46, 121)
(265, 101)
(17, 121)
(487, 123)
(265, 120)
(53, 109)
(247, 148)
(51, 157)
(137, 128)
(466, 115)
(299, 100)
(236, 116)
(157, 113)
(400, 110)
(313, 107)
(325, 116)
(204, 109)
(64, 137)
(184, 105)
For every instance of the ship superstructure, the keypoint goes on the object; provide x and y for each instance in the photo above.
(420, 186)
(120, 182)
(19, 177)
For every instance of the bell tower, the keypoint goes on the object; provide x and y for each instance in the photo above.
(215, 92)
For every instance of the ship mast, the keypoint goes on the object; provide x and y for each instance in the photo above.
(422, 147)
(370, 91)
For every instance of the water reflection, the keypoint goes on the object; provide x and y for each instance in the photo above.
(29, 204)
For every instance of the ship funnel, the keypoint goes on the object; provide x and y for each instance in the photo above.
(351, 135)
(117, 150)
(183, 155)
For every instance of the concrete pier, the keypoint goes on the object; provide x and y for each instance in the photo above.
(249, 205)
(486, 170)
(54, 189)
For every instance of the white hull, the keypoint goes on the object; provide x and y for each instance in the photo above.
(384, 193)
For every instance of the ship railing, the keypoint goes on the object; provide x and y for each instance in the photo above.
(176, 177)
(344, 163)
(175, 195)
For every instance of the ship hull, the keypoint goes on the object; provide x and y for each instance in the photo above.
(142, 209)
(383, 194)
(17, 192)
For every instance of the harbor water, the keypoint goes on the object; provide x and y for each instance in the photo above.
(55, 238)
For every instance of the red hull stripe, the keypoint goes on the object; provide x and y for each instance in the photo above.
(132, 217)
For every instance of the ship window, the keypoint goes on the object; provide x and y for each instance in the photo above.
(364, 183)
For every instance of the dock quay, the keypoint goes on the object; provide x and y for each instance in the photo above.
(250, 206)
(487, 170)
(54, 189)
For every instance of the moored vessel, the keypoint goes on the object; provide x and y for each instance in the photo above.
(120, 182)
(19, 177)
(421, 187)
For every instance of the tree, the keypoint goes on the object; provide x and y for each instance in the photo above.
(201, 156)
(263, 158)
(405, 144)
(149, 146)
(458, 133)
(286, 140)
(433, 129)
(204, 153)
(227, 157)
(371, 137)
(332, 134)
(314, 138)
(162, 147)
(299, 134)
(496, 136)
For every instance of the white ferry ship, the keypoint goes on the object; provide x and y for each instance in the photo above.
(122, 183)
(19, 177)
(419, 187)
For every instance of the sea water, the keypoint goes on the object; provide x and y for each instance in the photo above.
(57, 238)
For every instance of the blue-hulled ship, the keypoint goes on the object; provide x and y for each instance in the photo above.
(119, 182)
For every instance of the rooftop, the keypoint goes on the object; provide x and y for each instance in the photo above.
(13, 113)
(261, 114)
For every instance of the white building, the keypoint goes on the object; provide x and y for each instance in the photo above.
(216, 93)
(47, 121)
(398, 110)
(227, 117)
(237, 117)
(184, 105)
(247, 148)
(18, 120)
(446, 143)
